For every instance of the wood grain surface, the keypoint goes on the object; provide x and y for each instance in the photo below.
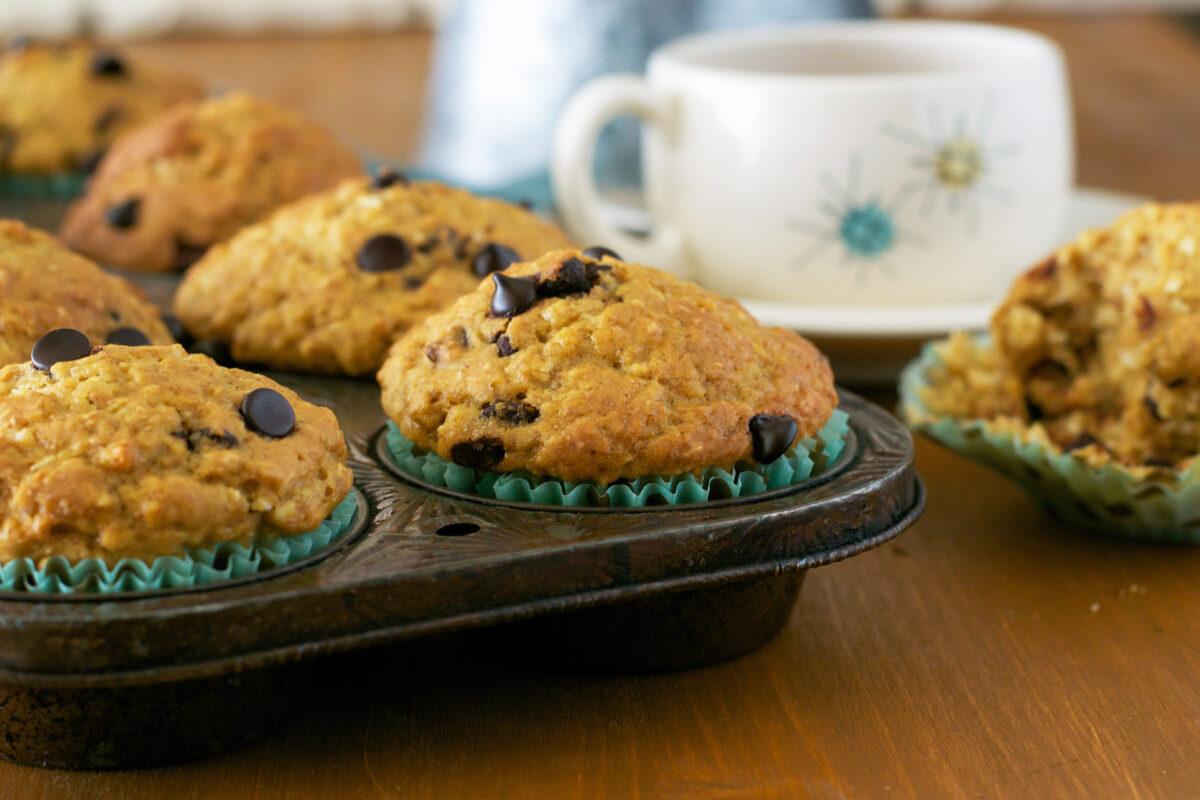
(988, 652)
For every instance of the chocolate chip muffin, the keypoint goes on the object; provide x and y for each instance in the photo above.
(62, 104)
(111, 451)
(1097, 348)
(580, 366)
(168, 190)
(44, 286)
(328, 283)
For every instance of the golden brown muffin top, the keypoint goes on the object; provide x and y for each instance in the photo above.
(596, 369)
(44, 286)
(1099, 344)
(327, 283)
(62, 104)
(194, 176)
(144, 451)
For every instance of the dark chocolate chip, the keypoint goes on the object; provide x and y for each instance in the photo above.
(1152, 407)
(268, 412)
(108, 117)
(601, 252)
(512, 412)
(130, 337)
(387, 177)
(196, 438)
(504, 346)
(1159, 461)
(572, 278)
(187, 254)
(513, 294)
(493, 258)
(124, 214)
(414, 283)
(771, 435)
(108, 65)
(1080, 441)
(1178, 382)
(1049, 369)
(482, 454)
(383, 252)
(177, 330)
(62, 344)
(1033, 411)
(1146, 315)
(88, 162)
(1043, 270)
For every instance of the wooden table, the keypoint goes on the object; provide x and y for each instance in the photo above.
(988, 652)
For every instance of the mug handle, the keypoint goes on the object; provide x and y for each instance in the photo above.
(575, 193)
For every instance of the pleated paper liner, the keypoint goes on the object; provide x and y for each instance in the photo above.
(198, 567)
(1153, 504)
(61, 186)
(810, 457)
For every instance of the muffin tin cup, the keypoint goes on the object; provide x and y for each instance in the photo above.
(1161, 506)
(134, 681)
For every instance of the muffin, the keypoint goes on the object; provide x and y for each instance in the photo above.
(326, 284)
(169, 189)
(1089, 383)
(61, 105)
(111, 452)
(44, 286)
(580, 367)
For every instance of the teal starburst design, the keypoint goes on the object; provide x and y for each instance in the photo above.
(862, 226)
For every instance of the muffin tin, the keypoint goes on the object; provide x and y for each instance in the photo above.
(141, 679)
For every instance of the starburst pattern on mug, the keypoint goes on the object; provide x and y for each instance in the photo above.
(956, 162)
(863, 225)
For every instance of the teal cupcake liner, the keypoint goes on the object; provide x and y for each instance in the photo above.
(61, 186)
(197, 567)
(809, 457)
(1149, 504)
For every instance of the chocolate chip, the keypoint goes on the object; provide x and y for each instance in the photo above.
(601, 252)
(433, 353)
(63, 344)
(1033, 411)
(88, 162)
(1080, 441)
(482, 454)
(512, 412)
(572, 277)
(187, 254)
(504, 346)
(268, 412)
(178, 332)
(1048, 369)
(124, 214)
(383, 252)
(513, 294)
(1159, 461)
(1044, 270)
(771, 435)
(493, 258)
(108, 65)
(196, 438)
(1152, 407)
(1146, 315)
(1178, 382)
(108, 117)
(130, 337)
(414, 283)
(387, 177)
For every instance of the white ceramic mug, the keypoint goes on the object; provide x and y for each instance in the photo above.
(846, 163)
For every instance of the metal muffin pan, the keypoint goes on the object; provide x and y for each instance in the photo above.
(138, 680)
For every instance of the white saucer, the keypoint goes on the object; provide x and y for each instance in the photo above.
(1089, 208)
